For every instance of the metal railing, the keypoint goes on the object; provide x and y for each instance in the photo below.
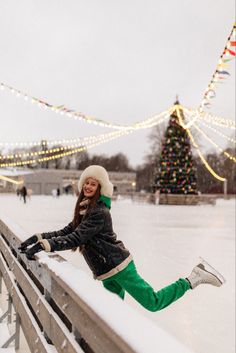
(53, 314)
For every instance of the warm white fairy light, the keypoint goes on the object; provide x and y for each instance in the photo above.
(51, 142)
(61, 109)
(148, 123)
(60, 155)
(83, 143)
(213, 173)
(180, 117)
(80, 142)
(77, 115)
(9, 180)
(228, 155)
(218, 132)
(216, 120)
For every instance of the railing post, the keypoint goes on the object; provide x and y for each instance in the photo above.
(8, 313)
(15, 336)
(225, 189)
(0, 282)
(9, 310)
(17, 333)
(48, 298)
(77, 334)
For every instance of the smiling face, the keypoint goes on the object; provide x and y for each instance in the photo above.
(90, 187)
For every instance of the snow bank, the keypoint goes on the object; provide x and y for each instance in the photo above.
(139, 332)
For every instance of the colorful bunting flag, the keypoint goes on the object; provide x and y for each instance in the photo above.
(220, 74)
(228, 51)
(223, 72)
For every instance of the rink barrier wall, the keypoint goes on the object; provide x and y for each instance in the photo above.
(173, 199)
(53, 315)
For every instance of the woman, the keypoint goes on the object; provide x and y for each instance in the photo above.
(91, 231)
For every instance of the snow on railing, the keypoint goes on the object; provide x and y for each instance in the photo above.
(61, 309)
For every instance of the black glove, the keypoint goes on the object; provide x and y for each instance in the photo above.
(23, 246)
(33, 250)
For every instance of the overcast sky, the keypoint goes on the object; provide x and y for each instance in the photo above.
(120, 61)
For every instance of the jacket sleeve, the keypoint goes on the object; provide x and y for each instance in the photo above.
(87, 229)
(59, 233)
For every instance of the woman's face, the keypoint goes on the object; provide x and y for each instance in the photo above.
(90, 187)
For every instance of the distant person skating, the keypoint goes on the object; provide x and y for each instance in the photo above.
(92, 232)
(58, 192)
(54, 193)
(24, 193)
(18, 192)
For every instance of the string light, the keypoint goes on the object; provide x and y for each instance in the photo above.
(10, 180)
(100, 139)
(197, 147)
(213, 173)
(86, 142)
(77, 115)
(153, 121)
(218, 132)
(209, 93)
(59, 109)
(226, 123)
(60, 155)
(50, 142)
(228, 155)
(61, 148)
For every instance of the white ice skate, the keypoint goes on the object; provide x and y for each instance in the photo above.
(204, 273)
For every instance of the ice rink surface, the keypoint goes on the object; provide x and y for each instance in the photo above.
(166, 242)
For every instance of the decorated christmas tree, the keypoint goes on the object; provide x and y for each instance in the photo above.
(176, 174)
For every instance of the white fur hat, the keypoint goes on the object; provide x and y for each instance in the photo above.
(100, 174)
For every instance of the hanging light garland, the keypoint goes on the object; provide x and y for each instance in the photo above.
(84, 144)
(64, 154)
(187, 112)
(81, 142)
(153, 121)
(61, 109)
(218, 132)
(219, 75)
(9, 180)
(219, 121)
(179, 115)
(228, 155)
(213, 173)
(50, 142)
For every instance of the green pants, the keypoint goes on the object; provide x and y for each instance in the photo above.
(130, 281)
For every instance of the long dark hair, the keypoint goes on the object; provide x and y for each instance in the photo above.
(93, 200)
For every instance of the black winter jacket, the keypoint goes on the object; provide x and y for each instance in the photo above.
(101, 249)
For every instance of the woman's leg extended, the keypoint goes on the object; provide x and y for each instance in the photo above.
(114, 287)
(141, 291)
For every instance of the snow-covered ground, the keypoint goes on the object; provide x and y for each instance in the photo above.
(165, 242)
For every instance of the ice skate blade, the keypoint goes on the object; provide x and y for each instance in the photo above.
(211, 269)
